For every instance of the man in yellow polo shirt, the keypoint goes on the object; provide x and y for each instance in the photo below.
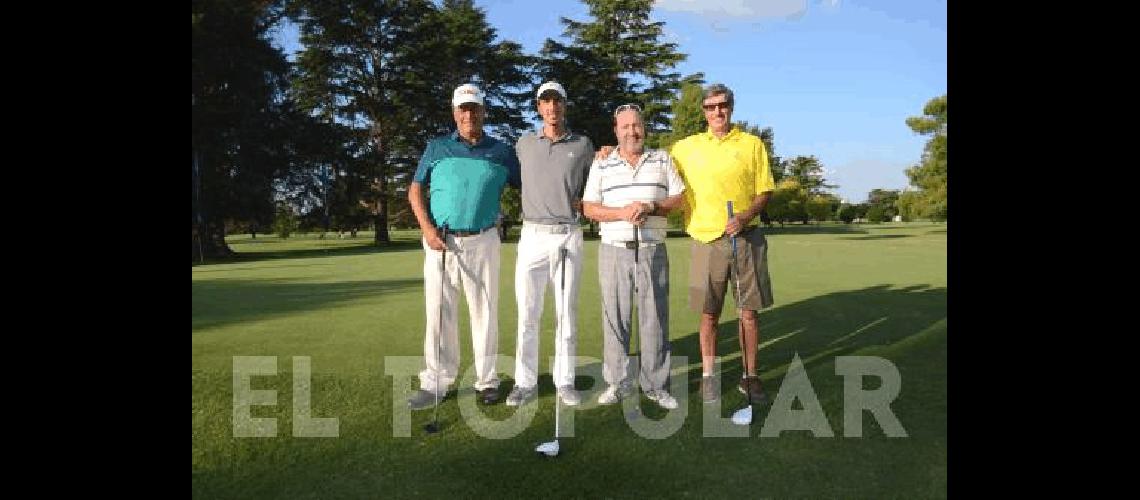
(719, 165)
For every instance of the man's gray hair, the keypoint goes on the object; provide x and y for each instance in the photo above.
(628, 107)
(718, 89)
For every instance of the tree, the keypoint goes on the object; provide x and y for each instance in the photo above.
(847, 213)
(808, 173)
(284, 221)
(821, 207)
(614, 59)
(386, 70)
(688, 119)
(910, 205)
(768, 137)
(322, 156)
(788, 202)
(244, 126)
(876, 214)
(929, 176)
(881, 205)
(511, 208)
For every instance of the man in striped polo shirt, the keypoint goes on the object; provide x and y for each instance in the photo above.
(465, 173)
(629, 192)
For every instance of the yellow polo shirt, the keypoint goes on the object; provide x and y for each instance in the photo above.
(715, 170)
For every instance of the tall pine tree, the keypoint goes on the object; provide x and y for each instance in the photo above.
(386, 69)
(242, 121)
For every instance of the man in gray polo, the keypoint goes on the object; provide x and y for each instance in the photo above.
(629, 192)
(554, 164)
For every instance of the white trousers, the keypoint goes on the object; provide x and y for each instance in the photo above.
(474, 262)
(538, 264)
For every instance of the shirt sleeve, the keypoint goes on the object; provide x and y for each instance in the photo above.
(593, 191)
(423, 171)
(674, 184)
(675, 157)
(587, 166)
(676, 154)
(764, 180)
(514, 170)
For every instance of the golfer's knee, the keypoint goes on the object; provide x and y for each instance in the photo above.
(749, 316)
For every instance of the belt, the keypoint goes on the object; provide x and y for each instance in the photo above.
(634, 244)
(550, 228)
(463, 234)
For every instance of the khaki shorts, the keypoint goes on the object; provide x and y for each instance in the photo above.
(711, 274)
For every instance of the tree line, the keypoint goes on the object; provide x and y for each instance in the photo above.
(331, 140)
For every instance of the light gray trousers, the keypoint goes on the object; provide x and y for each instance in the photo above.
(616, 276)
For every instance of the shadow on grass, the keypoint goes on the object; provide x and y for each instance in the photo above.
(363, 248)
(819, 329)
(366, 461)
(814, 229)
(792, 229)
(877, 237)
(229, 268)
(224, 302)
(513, 234)
(886, 227)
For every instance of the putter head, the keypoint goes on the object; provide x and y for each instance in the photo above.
(549, 448)
(743, 416)
(431, 427)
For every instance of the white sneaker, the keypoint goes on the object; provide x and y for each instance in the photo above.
(520, 395)
(662, 398)
(609, 396)
(569, 396)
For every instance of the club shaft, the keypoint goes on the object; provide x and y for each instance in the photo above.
(439, 325)
(739, 312)
(560, 330)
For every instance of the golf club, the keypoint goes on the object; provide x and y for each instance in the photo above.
(433, 426)
(742, 416)
(636, 248)
(632, 414)
(550, 448)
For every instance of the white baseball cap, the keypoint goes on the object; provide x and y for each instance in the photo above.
(466, 93)
(555, 86)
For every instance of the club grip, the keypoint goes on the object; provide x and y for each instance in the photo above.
(733, 238)
(636, 245)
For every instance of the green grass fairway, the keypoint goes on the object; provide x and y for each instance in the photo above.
(866, 290)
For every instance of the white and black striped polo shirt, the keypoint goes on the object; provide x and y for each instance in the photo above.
(614, 183)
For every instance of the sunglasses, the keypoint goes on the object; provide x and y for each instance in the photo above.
(720, 105)
(623, 107)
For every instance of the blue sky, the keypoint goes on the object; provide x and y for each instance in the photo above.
(833, 78)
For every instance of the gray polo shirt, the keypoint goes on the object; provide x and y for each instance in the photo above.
(553, 176)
